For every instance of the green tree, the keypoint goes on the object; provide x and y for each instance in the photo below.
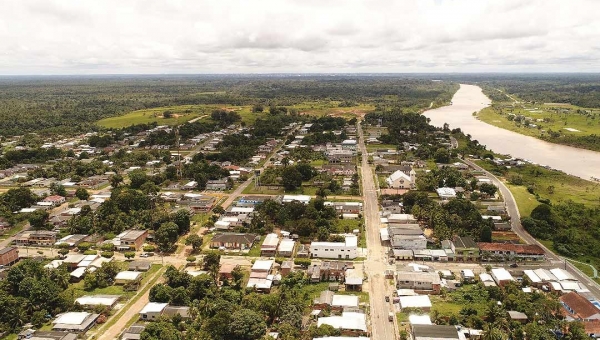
(129, 255)
(166, 236)
(137, 178)
(182, 219)
(195, 241)
(82, 194)
(291, 178)
(211, 263)
(58, 189)
(19, 198)
(486, 234)
(488, 188)
(115, 180)
(39, 220)
(161, 330)
(246, 324)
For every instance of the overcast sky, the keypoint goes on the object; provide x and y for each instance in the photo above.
(281, 36)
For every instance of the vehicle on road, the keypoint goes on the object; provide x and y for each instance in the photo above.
(514, 265)
(391, 316)
(387, 298)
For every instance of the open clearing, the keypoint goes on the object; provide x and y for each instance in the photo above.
(184, 113)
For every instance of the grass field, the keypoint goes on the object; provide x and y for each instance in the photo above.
(557, 118)
(183, 113)
(554, 185)
(323, 108)
(264, 189)
(373, 147)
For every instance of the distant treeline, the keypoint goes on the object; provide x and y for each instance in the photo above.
(66, 105)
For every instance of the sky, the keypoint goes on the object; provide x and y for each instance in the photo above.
(49, 37)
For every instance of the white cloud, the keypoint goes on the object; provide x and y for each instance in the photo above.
(116, 36)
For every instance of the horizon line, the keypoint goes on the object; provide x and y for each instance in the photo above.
(306, 73)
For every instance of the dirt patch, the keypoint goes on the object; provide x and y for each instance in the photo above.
(393, 191)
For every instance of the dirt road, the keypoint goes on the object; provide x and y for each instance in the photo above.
(375, 265)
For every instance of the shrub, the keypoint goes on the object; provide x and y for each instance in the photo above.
(90, 252)
(107, 254)
(149, 248)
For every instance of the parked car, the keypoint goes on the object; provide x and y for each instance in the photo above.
(514, 265)
(387, 298)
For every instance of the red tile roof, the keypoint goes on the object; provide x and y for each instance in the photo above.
(524, 249)
(582, 308)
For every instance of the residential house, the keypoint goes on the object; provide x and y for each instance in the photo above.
(198, 202)
(401, 219)
(437, 332)
(269, 245)
(339, 169)
(420, 282)
(286, 247)
(133, 332)
(349, 323)
(576, 307)
(55, 200)
(340, 156)
(134, 239)
(233, 241)
(510, 251)
(76, 322)
(9, 256)
(128, 277)
(217, 184)
(346, 207)
(465, 249)
(353, 280)
(42, 238)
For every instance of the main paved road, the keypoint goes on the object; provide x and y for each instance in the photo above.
(513, 211)
(375, 265)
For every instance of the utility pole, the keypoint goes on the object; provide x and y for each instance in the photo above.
(179, 175)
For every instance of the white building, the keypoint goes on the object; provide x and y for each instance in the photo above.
(501, 276)
(417, 301)
(300, 198)
(152, 310)
(400, 180)
(336, 250)
(446, 193)
(347, 321)
(286, 247)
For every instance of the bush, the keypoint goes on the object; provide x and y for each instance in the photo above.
(279, 260)
(90, 252)
(191, 259)
(107, 247)
(107, 254)
(149, 248)
(129, 254)
(302, 262)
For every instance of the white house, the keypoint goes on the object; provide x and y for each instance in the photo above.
(336, 250)
(400, 180)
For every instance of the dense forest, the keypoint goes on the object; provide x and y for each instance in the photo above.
(73, 104)
(578, 89)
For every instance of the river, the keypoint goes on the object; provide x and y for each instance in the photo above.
(470, 98)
